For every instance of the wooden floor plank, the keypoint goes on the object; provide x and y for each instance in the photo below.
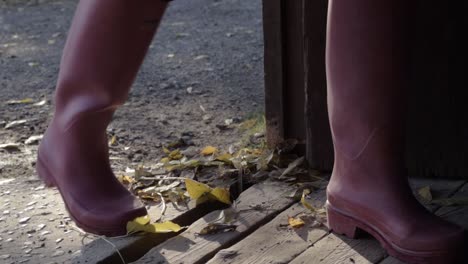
(439, 188)
(133, 247)
(276, 242)
(257, 205)
(338, 249)
(455, 214)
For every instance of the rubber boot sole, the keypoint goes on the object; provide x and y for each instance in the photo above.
(49, 181)
(345, 224)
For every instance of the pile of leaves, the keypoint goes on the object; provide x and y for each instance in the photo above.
(177, 179)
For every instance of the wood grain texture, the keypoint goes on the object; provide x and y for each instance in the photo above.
(257, 205)
(456, 214)
(294, 112)
(319, 142)
(439, 189)
(442, 189)
(338, 249)
(276, 242)
(273, 64)
(135, 246)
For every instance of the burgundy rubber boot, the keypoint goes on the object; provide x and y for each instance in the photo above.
(106, 45)
(367, 72)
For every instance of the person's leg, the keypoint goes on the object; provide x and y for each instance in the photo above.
(106, 44)
(367, 59)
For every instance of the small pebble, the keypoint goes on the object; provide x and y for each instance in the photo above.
(24, 220)
(58, 253)
(5, 256)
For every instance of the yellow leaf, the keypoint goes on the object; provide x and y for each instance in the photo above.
(165, 150)
(208, 150)
(304, 201)
(425, 193)
(125, 179)
(22, 101)
(137, 223)
(175, 155)
(196, 189)
(113, 140)
(165, 160)
(142, 224)
(222, 194)
(164, 227)
(295, 222)
(202, 192)
(226, 158)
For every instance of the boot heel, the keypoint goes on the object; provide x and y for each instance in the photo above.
(44, 175)
(341, 224)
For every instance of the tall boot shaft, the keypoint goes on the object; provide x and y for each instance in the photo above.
(367, 75)
(105, 47)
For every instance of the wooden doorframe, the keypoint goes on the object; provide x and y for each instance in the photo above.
(294, 36)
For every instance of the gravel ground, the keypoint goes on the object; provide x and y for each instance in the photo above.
(204, 67)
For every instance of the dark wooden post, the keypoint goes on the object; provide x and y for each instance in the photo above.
(294, 75)
(319, 143)
(284, 71)
(273, 61)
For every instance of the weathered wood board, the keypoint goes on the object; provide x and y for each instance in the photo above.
(339, 249)
(256, 206)
(439, 189)
(133, 247)
(454, 214)
(276, 242)
(457, 214)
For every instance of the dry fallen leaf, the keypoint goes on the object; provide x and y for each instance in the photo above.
(22, 101)
(226, 158)
(142, 224)
(292, 166)
(304, 201)
(209, 150)
(202, 192)
(425, 193)
(175, 155)
(295, 222)
(215, 228)
(125, 179)
(222, 194)
(113, 140)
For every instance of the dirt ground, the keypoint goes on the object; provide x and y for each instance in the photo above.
(204, 70)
